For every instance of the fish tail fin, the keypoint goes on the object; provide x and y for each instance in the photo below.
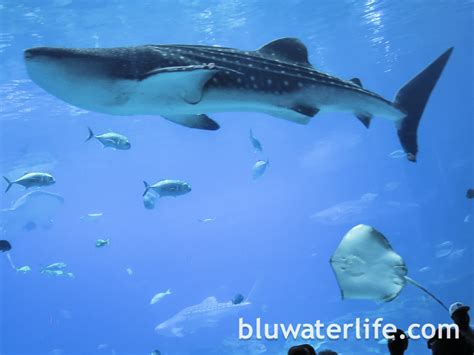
(168, 291)
(91, 134)
(9, 184)
(412, 99)
(147, 187)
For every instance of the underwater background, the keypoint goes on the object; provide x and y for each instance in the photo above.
(269, 239)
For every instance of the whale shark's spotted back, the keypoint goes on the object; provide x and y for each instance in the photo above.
(279, 67)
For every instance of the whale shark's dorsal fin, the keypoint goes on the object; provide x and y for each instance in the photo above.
(356, 81)
(209, 301)
(287, 49)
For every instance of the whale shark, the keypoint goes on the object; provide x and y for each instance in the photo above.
(185, 83)
(203, 315)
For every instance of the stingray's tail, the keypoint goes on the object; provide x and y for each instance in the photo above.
(9, 258)
(414, 283)
(412, 99)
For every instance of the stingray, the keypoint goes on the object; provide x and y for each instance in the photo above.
(34, 209)
(367, 267)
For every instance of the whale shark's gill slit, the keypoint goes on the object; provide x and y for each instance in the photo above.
(185, 82)
(176, 69)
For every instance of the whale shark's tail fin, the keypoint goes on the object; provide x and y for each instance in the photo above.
(91, 134)
(412, 99)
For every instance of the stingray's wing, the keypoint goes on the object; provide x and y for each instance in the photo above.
(367, 267)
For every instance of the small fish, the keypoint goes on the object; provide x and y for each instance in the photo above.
(397, 154)
(23, 269)
(58, 273)
(444, 249)
(99, 243)
(31, 180)
(156, 352)
(159, 296)
(53, 272)
(456, 254)
(129, 271)
(5, 245)
(55, 266)
(259, 168)
(425, 269)
(111, 140)
(206, 220)
(92, 216)
(168, 188)
(391, 186)
(238, 299)
(467, 219)
(257, 146)
(470, 193)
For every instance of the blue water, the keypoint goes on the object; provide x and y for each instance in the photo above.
(263, 238)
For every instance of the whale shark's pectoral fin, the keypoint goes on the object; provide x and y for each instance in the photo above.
(308, 111)
(178, 332)
(186, 81)
(301, 114)
(195, 121)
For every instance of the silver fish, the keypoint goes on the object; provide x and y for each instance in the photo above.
(31, 180)
(168, 188)
(111, 140)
